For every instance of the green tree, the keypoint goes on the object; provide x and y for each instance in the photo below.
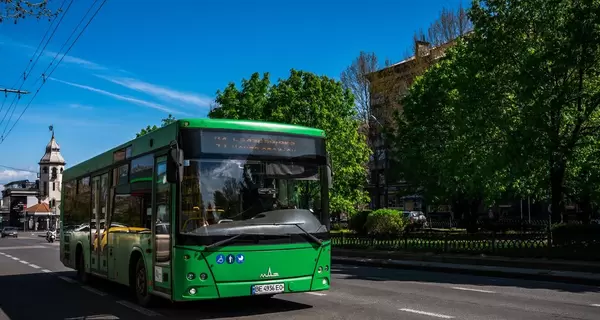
(544, 57)
(314, 101)
(164, 122)
(515, 107)
(20, 9)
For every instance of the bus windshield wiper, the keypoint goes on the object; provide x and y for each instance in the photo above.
(297, 224)
(225, 241)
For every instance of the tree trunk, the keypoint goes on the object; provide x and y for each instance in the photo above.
(557, 176)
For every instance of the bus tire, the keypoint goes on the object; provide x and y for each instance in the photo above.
(82, 275)
(140, 284)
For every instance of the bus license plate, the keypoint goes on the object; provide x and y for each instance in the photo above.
(268, 288)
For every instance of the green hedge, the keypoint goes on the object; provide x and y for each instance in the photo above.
(385, 222)
(358, 222)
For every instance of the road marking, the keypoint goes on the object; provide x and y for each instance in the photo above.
(92, 290)
(595, 305)
(474, 290)
(15, 258)
(316, 294)
(35, 266)
(23, 247)
(46, 271)
(24, 262)
(431, 314)
(137, 308)
(67, 279)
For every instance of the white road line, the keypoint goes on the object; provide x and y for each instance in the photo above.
(15, 258)
(35, 266)
(316, 294)
(137, 308)
(67, 279)
(595, 305)
(474, 290)
(46, 271)
(431, 314)
(24, 262)
(92, 290)
(23, 247)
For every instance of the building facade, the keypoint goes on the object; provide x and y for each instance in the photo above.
(52, 165)
(35, 205)
(387, 87)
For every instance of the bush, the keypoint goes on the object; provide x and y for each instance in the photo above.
(358, 221)
(575, 234)
(386, 222)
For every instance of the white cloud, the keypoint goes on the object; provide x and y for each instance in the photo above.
(8, 175)
(161, 92)
(80, 106)
(140, 102)
(74, 60)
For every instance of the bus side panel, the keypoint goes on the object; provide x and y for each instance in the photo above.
(122, 246)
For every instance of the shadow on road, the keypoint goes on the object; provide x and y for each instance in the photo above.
(411, 275)
(44, 296)
(212, 309)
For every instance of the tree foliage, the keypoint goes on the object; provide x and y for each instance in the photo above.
(354, 78)
(314, 101)
(164, 122)
(514, 107)
(20, 9)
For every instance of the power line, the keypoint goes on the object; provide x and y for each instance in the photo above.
(52, 71)
(31, 59)
(25, 73)
(17, 169)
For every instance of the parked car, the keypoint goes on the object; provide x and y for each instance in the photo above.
(417, 219)
(9, 232)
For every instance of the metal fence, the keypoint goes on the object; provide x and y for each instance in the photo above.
(510, 244)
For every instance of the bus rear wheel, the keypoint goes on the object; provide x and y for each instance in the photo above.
(141, 284)
(82, 276)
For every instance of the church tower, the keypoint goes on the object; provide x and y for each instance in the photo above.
(52, 165)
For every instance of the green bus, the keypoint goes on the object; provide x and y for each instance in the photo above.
(203, 209)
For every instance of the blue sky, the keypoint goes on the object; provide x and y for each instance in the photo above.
(140, 60)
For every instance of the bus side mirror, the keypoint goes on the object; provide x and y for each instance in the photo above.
(175, 166)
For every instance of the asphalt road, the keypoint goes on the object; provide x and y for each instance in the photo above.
(35, 285)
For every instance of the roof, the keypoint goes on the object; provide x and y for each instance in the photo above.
(40, 207)
(52, 155)
(162, 137)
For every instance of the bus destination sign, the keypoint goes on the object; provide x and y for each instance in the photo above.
(257, 144)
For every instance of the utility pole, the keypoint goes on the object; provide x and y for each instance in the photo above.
(17, 91)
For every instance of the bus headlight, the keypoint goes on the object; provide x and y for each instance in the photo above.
(191, 276)
(193, 291)
(320, 270)
(326, 268)
(203, 276)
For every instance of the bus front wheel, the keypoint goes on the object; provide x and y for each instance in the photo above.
(141, 284)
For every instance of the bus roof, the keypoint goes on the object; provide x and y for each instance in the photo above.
(163, 136)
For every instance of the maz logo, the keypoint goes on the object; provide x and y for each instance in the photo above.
(269, 274)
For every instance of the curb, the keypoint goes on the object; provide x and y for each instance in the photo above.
(490, 271)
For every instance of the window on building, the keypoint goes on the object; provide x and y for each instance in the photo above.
(121, 175)
(45, 169)
(53, 186)
(54, 172)
(45, 191)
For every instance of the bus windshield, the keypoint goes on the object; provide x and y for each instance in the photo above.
(252, 193)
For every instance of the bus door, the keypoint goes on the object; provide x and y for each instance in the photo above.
(99, 214)
(161, 217)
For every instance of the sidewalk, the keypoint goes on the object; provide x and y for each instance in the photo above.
(535, 269)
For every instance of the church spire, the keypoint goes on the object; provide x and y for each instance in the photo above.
(52, 155)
